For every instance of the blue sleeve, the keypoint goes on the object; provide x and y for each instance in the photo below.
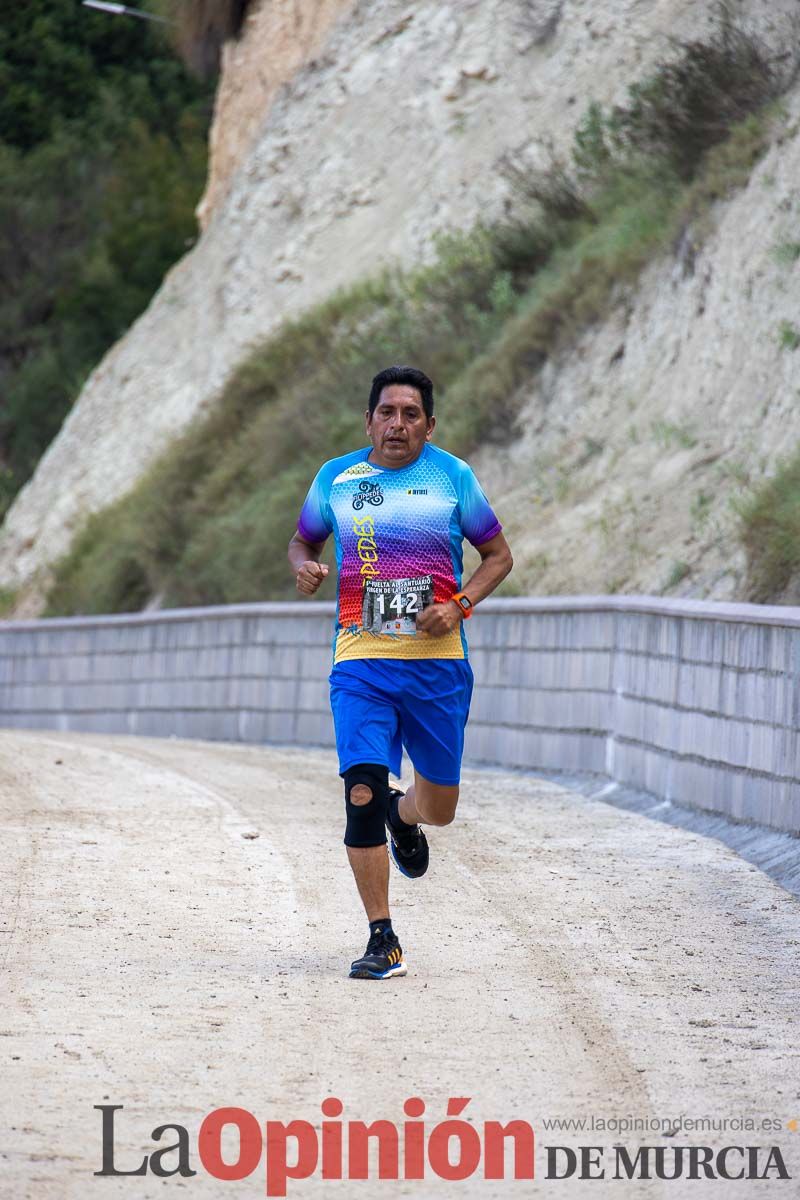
(478, 520)
(315, 522)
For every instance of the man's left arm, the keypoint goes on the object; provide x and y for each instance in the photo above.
(496, 562)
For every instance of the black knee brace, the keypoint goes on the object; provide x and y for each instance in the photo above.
(366, 823)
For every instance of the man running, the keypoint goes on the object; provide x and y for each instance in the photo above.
(399, 510)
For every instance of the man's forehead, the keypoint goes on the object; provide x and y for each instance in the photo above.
(400, 393)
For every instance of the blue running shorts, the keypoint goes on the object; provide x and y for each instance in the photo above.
(381, 705)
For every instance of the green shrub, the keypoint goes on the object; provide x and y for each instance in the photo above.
(787, 253)
(113, 580)
(769, 529)
(689, 105)
(788, 336)
(668, 434)
(8, 598)
(726, 168)
(677, 573)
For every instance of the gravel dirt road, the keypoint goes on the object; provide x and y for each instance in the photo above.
(566, 960)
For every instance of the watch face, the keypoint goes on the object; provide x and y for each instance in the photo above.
(464, 602)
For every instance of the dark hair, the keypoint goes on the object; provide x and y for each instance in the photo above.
(411, 376)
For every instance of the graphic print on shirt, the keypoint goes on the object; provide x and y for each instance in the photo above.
(398, 535)
(368, 493)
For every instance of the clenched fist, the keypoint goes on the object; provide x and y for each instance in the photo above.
(310, 576)
(438, 619)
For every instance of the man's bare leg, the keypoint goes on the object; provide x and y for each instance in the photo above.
(424, 803)
(427, 803)
(370, 866)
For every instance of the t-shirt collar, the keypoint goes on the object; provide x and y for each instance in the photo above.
(413, 462)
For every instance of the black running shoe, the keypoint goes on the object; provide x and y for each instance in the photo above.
(382, 958)
(408, 849)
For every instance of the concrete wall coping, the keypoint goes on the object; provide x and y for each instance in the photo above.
(703, 610)
(693, 701)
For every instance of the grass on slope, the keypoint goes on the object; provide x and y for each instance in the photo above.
(210, 521)
(770, 532)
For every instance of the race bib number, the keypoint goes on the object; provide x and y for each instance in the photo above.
(392, 605)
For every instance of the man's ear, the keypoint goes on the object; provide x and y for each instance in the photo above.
(367, 419)
(431, 427)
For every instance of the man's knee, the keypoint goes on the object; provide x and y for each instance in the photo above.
(366, 797)
(360, 794)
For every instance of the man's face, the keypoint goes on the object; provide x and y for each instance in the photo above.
(398, 428)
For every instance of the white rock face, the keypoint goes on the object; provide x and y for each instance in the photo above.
(633, 447)
(391, 135)
(279, 38)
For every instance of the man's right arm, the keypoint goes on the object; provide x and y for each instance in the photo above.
(304, 560)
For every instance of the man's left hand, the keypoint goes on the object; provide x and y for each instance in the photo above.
(439, 619)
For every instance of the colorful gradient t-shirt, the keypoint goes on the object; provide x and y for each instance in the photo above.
(398, 534)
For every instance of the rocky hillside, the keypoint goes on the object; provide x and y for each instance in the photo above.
(634, 445)
(363, 140)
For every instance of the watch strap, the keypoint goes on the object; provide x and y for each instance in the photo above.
(464, 603)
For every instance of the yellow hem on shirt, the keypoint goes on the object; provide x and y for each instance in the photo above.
(385, 645)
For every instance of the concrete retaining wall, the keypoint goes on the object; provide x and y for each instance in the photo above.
(696, 702)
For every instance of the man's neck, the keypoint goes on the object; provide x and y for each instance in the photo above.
(373, 458)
